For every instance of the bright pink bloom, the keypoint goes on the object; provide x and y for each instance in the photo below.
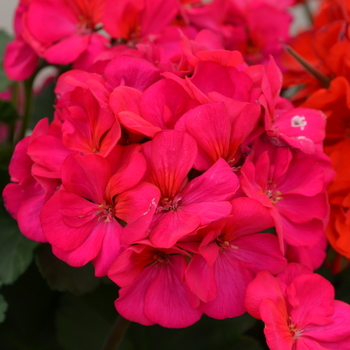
(63, 31)
(299, 311)
(286, 185)
(20, 60)
(134, 19)
(24, 198)
(87, 127)
(127, 70)
(152, 288)
(230, 254)
(164, 102)
(301, 128)
(218, 133)
(245, 25)
(184, 205)
(84, 220)
(35, 169)
(125, 103)
(311, 258)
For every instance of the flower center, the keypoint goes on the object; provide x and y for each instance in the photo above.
(161, 259)
(294, 330)
(273, 195)
(224, 245)
(105, 212)
(167, 204)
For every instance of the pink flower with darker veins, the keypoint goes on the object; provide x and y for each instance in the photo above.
(299, 310)
(63, 32)
(184, 205)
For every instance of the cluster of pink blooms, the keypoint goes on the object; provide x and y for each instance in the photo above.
(169, 156)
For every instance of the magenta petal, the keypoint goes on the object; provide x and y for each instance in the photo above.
(170, 155)
(293, 207)
(20, 60)
(137, 124)
(172, 226)
(157, 14)
(218, 183)
(305, 177)
(306, 234)
(208, 211)
(79, 176)
(200, 278)
(67, 50)
(50, 20)
(164, 102)
(244, 214)
(262, 250)
(85, 252)
(209, 125)
(232, 278)
(133, 204)
(311, 297)
(82, 215)
(28, 217)
(310, 344)
(336, 330)
(110, 249)
(264, 286)
(21, 163)
(166, 301)
(276, 330)
(124, 98)
(120, 21)
(131, 71)
(130, 264)
(139, 229)
(128, 176)
(129, 304)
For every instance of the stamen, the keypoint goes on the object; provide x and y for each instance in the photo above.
(273, 195)
(167, 204)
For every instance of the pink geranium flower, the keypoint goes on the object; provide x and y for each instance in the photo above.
(299, 311)
(286, 185)
(64, 31)
(134, 19)
(229, 255)
(184, 205)
(152, 288)
(20, 60)
(85, 220)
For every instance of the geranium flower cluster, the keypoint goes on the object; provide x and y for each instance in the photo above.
(325, 48)
(168, 156)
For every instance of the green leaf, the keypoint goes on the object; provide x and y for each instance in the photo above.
(62, 277)
(4, 80)
(5, 38)
(206, 334)
(8, 113)
(3, 308)
(16, 251)
(85, 322)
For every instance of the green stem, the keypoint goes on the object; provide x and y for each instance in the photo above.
(308, 12)
(117, 333)
(28, 99)
(28, 102)
(310, 68)
(12, 124)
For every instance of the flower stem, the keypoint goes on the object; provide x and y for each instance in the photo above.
(117, 333)
(311, 69)
(308, 12)
(28, 101)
